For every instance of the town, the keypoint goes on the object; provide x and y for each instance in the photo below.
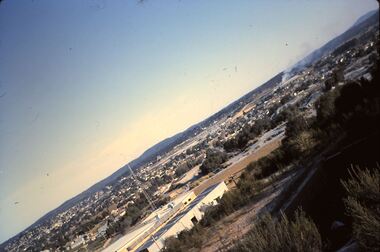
(215, 156)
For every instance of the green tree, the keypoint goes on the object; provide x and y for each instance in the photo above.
(213, 161)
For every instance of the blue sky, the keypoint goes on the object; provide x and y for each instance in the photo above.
(87, 86)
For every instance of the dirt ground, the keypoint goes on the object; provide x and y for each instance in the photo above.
(189, 175)
(225, 232)
(238, 166)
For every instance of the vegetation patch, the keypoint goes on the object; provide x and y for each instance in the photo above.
(363, 205)
(269, 234)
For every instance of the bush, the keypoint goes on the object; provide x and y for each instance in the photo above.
(301, 144)
(363, 205)
(282, 235)
(273, 162)
(213, 161)
(325, 107)
(230, 202)
(186, 239)
(173, 244)
(247, 133)
(247, 184)
(296, 125)
(182, 169)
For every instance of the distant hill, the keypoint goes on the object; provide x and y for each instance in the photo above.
(363, 22)
(160, 148)
(366, 16)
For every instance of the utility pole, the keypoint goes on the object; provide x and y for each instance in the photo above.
(155, 242)
(150, 201)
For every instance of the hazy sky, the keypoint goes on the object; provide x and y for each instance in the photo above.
(86, 86)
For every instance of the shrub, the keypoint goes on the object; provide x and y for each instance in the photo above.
(270, 164)
(173, 244)
(301, 144)
(213, 161)
(247, 184)
(230, 202)
(186, 239)
(363, 205)
(248, 133)
(282, 235)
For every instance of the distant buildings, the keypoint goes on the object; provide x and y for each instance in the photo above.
(79, 241)
(103, 229)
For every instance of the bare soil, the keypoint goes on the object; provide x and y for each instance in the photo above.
(225, 232)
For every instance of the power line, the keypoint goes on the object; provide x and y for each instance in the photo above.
(150, 201)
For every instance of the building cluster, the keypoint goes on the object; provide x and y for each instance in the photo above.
(169, 220)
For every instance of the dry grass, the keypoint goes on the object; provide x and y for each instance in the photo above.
(233, 227)
(274, 235)
(363, 205)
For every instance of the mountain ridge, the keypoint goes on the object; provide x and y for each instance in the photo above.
(362, 22)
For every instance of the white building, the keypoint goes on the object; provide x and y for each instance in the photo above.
(183, 213)
(77, 242)
(151, 223)
(186, 219)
